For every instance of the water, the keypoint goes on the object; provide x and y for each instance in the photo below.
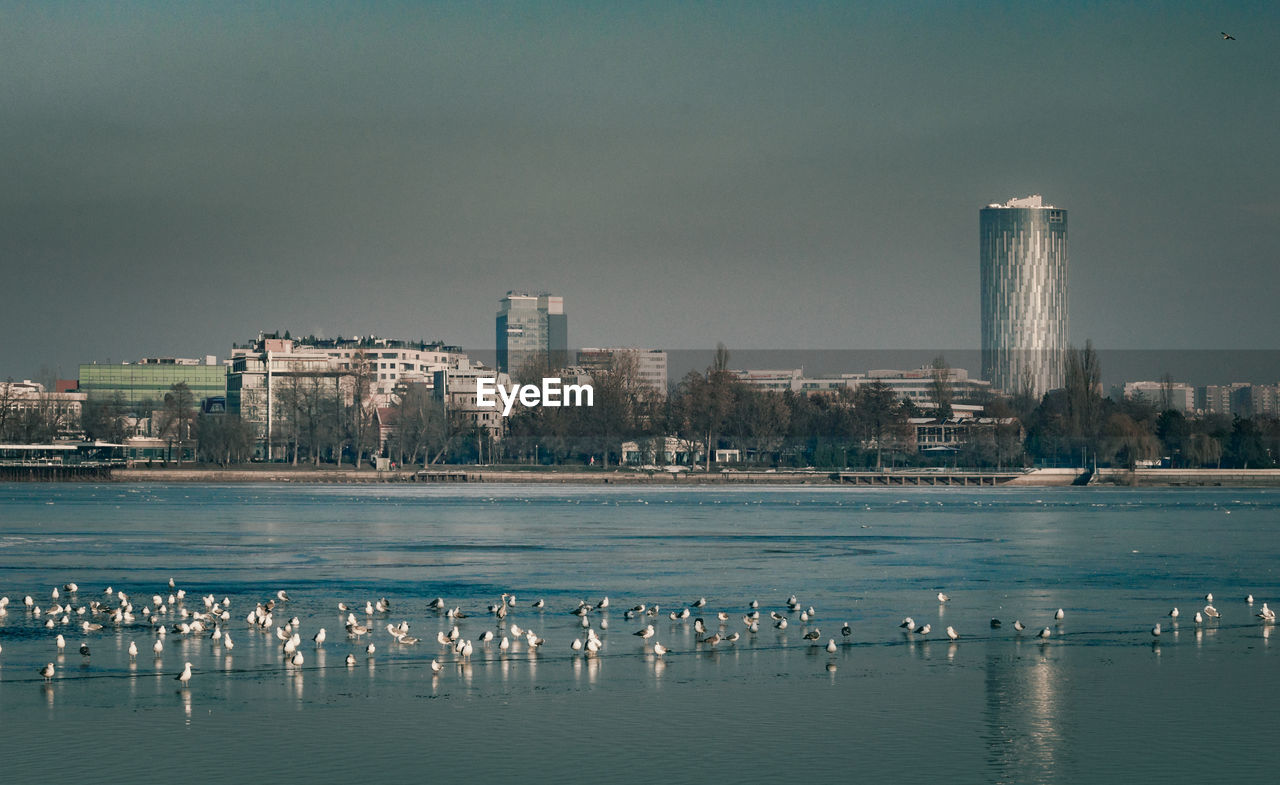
(1100, 701)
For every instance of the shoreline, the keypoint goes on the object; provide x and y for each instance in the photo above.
(1233, 478)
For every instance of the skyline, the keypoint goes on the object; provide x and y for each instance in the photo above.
(766, 177)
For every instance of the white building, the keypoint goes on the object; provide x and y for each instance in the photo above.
(650, 364)
(1174, 395)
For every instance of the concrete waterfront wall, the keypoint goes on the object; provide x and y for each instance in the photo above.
(903, 479)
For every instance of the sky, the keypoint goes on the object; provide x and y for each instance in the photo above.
(176, 177)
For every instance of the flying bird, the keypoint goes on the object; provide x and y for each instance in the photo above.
(1226, 37)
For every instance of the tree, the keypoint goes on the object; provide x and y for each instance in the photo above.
(422, 431)
(1083, 377)
(363, 376)
(177, 419)
(940, 374)
(223, 439)
(106, 420)
(878, 417)
(1125, 441)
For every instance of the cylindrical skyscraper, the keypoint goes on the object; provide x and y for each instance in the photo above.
(1024, 295)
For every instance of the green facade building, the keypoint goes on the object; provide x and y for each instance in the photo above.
(146, 382)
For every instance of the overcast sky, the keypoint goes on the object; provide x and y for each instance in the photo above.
(178, 176)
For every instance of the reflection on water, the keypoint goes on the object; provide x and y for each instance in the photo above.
(1022, 718)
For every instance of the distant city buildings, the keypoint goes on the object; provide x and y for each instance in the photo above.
(1023, 278)
(1238, 399)
(918, 386)
(529, 325)
(1166, 395)
(649, 365)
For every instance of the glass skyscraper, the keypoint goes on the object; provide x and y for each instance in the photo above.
(531, 324)
(1024, 295)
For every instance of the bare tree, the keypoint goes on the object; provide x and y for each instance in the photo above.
(177, 419)
(940, 374)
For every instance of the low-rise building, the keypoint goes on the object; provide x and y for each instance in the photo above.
(1165, 395)
(143, 384)
(650, 364)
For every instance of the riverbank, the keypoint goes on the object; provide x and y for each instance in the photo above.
(919, 478)
(1243, 478)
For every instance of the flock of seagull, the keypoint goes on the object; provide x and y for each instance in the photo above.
(169, 614)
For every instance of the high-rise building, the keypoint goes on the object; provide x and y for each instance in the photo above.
(1024, 295)
(529, 325)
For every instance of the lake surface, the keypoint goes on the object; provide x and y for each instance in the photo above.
(1101, 700)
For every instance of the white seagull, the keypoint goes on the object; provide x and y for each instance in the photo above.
(185, 676)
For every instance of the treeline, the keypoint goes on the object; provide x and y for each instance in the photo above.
(317, 420)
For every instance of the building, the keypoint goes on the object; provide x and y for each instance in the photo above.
(261, 374)
(650, 364)
(1023, 275)
(394, 363)
(1164, 395)
(1229, 399)
(918, 386)
(456, 387)
(28, 411)
(531, 324)
(143, 385)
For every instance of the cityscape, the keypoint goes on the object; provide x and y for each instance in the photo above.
(369, 401)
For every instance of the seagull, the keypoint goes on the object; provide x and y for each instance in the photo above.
(846, 630)
(576, 645)
(370, 649)
(1249, 599)
(943, 598)
(1209, 598)
(185, 676)
(47, 671)
(1018, 625)
(133, 650)
(84, 649)
(952, 634)
(436, 667)
(1267, 614)
(1173, 614)
(1045, 633)
(813, 635)
(158, 647)
(538, 604)
(1211, 612)
(351, 660)
(923, 629)
(995, 624)
(1060, 615)
(646, 633)
(1226, 37)
(61, 643)
(712, 639)
(318, 638)
(908, 623)
(659, 649)
(1155, 631)
(831, 645)
(1199, 618)
(700, 603)
(297, 658)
